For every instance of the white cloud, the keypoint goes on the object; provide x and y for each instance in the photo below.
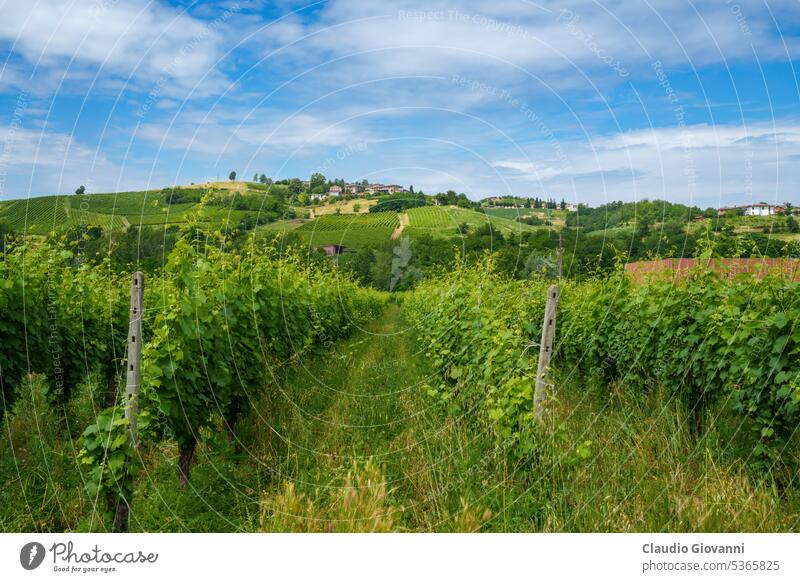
(701, 164)
(41, 161)
(230, 131)
(387, 37)
(135, 39)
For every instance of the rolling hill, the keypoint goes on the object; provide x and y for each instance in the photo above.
(348, 223)
(226, 203)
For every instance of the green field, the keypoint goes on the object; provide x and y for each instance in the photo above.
(150, 208)
(130, 204)
(442, 221)
(35, 215)
(105, 221)
(509, 213)
(349, 230)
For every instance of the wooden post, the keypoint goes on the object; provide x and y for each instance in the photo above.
(545, 351)
(559, 262)
(134, 354)
(559, 256)
(132, 367)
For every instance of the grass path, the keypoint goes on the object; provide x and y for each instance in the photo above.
(365, 451)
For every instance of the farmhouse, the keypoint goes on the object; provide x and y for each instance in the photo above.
(758, 209)
(335, 191)
(384, 188)
(332, 250)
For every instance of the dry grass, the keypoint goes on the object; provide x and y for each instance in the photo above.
(355, 206)
(360, 505)
(236, 186)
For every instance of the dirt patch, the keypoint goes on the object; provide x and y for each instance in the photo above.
(404, 221)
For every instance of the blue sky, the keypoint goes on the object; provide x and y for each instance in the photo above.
(696, 102)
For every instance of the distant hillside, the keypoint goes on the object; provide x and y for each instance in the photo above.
(622, 214)
(219, 203)
(359, 230)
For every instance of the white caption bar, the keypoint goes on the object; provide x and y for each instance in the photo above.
(400, 556)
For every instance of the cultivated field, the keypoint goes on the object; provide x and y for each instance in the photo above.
(352, 231)
(443, 221)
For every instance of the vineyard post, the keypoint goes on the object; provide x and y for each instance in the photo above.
(545, 351)
(559, 256)
(134, 354)
(122, 509)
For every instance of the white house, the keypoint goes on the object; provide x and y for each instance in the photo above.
(335, 191)
(762, 209)
(758, 209)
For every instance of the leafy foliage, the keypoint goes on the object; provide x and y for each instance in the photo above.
(477, 330)
(224, 319)
(215, 324)
(644, 212)
(110, 458)
(64, 321)
(708, 339)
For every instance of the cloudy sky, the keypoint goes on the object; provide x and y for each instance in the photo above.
(589, 101)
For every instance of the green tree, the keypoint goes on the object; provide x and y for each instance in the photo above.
(317, 183)
(295, 186)
(232, 176)
(80, 190)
